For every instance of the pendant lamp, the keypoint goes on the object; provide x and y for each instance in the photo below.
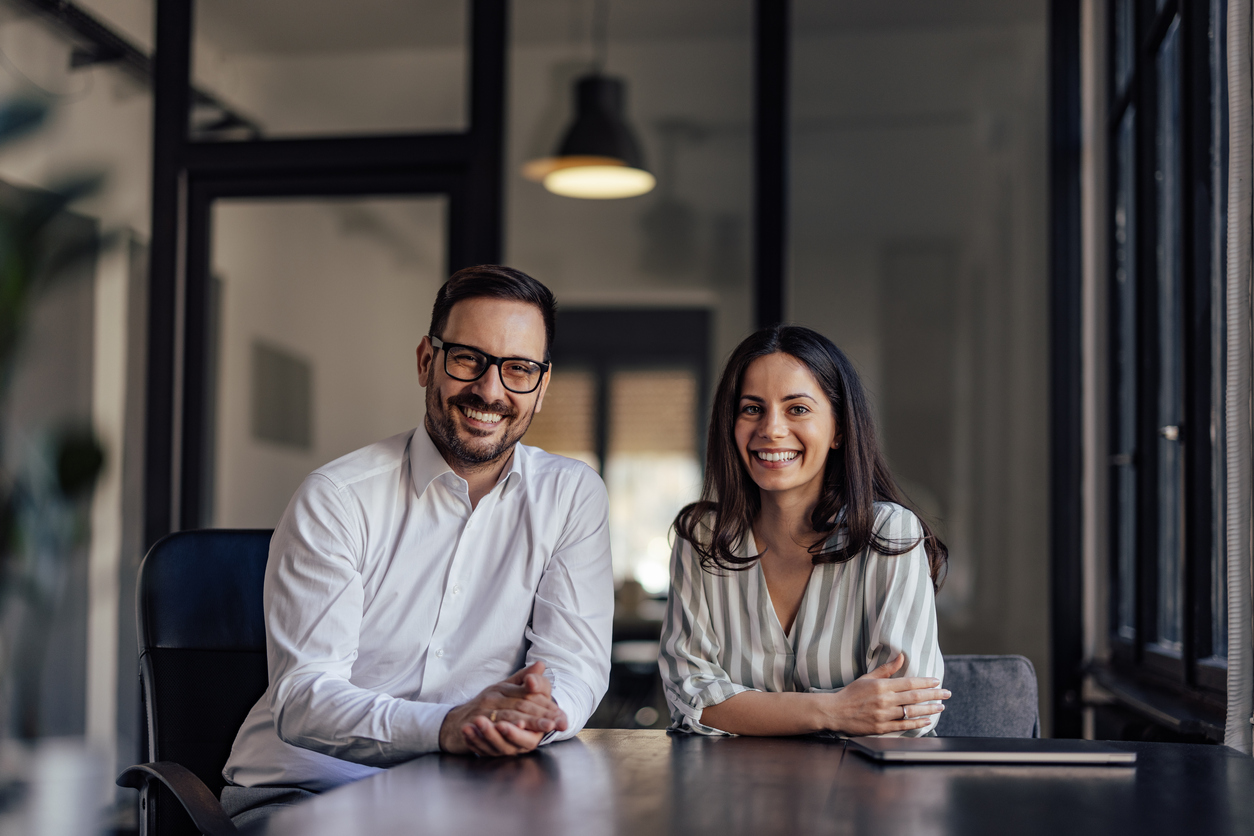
(599, 157)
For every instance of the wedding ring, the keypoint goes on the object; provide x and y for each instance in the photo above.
(492, 716)
(904, 714)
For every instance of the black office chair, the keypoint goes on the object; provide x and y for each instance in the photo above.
(993, 696)
(202, 660)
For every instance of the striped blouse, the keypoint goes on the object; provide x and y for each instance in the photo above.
(721, 635)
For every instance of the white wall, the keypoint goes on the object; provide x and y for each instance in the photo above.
(385, 91)
(345, 285)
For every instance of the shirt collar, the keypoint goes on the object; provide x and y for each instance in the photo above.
(515, 473)
(426, 464)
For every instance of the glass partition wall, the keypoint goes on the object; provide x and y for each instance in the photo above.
(918, 245)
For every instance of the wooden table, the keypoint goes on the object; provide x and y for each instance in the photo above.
(646, 782)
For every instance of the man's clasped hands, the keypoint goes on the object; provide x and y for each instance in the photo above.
(508, 718)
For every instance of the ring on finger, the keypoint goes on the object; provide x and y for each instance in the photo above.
(492, 716)
(905, 714)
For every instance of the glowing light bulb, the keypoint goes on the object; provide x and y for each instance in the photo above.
(600, 182)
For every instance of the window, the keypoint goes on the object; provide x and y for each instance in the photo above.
(653, 466)
(1167, 142)
(628, 396)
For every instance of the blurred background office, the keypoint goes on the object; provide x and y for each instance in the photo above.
(275, 222)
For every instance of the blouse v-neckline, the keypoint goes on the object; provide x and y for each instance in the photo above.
(790, 635)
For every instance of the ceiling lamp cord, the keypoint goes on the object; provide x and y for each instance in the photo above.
(600, 26)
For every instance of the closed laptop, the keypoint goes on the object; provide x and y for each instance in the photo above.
(990, 750)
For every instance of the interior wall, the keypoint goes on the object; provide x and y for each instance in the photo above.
(349, 92)
(919, 246)
(324, 67)
(343, 285)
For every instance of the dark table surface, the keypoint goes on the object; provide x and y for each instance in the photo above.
(648, 782)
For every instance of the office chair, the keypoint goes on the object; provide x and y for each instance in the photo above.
(202, 660)
(993, 696)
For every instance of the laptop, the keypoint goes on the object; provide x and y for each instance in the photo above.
(989, 750)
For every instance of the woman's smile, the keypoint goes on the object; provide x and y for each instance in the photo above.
(776, 459)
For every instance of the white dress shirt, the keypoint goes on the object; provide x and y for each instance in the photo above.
(722, 636)
(389, 601)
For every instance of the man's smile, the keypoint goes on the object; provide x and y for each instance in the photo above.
(486, 419)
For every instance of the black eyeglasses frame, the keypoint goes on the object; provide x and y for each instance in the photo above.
(493, 360)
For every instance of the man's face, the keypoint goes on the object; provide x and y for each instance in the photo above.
(462, 415)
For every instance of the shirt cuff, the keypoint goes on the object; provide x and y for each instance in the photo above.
(424, 721)
(686, 716)
(577, 715)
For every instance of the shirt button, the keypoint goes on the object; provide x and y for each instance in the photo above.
(457, 590)
(439, 654)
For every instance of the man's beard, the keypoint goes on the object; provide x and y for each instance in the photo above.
(443, 429)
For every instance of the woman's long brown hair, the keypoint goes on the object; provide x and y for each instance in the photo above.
(855, 475)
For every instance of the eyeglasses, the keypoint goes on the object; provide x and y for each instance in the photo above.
(465, 363)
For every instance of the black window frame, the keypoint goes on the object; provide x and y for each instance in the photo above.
(1138, 661)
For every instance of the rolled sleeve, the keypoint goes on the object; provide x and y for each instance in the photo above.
(692, 678)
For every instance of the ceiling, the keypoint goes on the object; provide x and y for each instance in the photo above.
(302, 26)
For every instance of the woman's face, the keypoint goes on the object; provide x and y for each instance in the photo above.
(784, 425)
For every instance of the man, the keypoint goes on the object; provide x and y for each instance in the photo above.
(447, 589)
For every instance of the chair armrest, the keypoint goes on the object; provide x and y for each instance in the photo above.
(206, 811)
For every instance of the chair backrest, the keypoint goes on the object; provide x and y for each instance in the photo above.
(993, 696)
(202, 646)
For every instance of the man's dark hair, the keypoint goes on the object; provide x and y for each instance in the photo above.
(496, 282)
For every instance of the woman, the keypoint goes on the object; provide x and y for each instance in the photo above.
(801, 588)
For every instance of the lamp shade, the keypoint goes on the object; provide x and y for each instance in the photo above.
(599, 156)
